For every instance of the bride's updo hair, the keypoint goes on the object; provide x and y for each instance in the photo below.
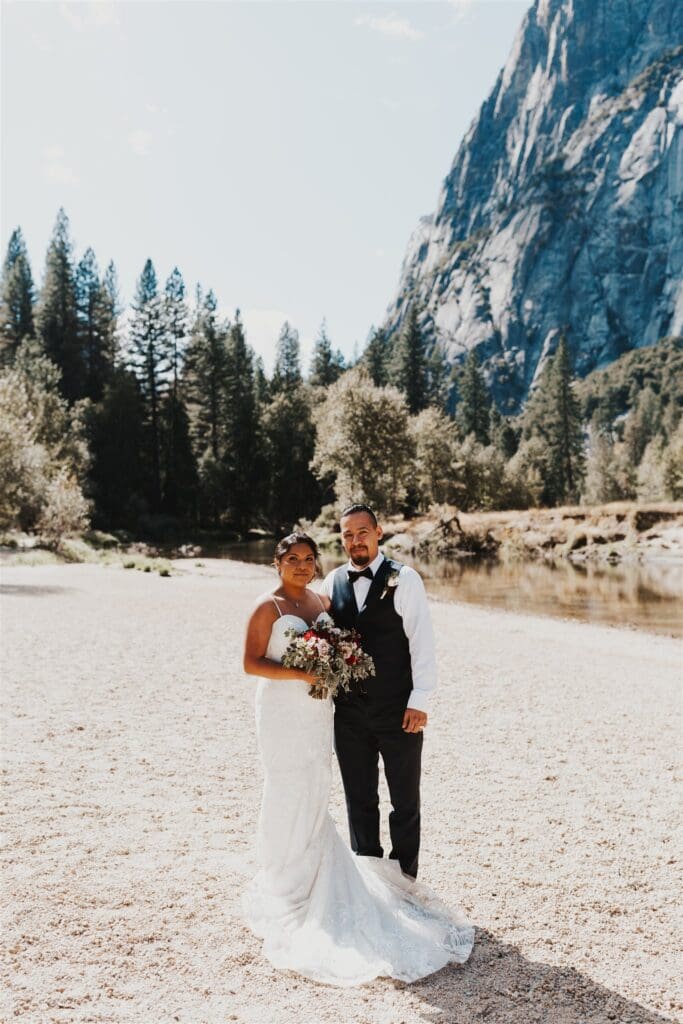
(289, 541)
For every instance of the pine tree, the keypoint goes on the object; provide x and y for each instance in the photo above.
(567, 457)
(205, 374)
(175, 324)
(327, 365)
(261, 385)
(56, 322)
(111, 309)
(473, 405)
(289, 434)
(16, 298)
(151, 363)
(94, 316)
(438, 379)
(376, 357)
(178, 465)
(243, 457)
(553, 414)
(117, 440)
(501, 433)
(409, 363)
(287, 372)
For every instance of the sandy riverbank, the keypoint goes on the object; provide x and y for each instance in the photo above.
(132, 795)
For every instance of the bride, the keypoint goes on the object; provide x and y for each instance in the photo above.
(321, 911)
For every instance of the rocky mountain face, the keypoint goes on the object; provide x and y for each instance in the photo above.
(563, 209)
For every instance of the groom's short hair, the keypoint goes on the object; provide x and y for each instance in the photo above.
(358, 507)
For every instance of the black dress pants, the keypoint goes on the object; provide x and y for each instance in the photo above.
(361, 735)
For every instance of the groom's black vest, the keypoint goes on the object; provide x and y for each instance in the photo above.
(382, 636)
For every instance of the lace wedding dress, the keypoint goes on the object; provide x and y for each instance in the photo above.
(321, 910)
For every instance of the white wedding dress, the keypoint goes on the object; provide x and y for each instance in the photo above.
(321, 910)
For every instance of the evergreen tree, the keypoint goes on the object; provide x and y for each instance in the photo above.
(473, 405)
(178, 469)
(56, 322)
(438, 379)
(94, 316)
(327, 365)
(16, 298)
(501, 432)
(205, 374)
(261, 385)
(151, 363)
(566, 442)
(175, 324)
(553, 414)
(376, 357)
(111, 309)
(244, 460)
(204, 383)
(287, 372)
(289, 434)
(409, 363)
(178, 465)
(117, 441)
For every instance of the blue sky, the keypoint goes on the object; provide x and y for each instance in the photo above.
(280, 153)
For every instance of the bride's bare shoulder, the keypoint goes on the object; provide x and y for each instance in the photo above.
(265, 606)
(324, 599)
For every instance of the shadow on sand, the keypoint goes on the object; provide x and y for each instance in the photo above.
(28, 590)
(500, 986)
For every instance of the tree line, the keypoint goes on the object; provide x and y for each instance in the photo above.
(166, 419)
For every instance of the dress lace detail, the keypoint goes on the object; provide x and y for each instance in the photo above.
(321, 911)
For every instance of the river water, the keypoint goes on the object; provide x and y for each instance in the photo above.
(647, 596)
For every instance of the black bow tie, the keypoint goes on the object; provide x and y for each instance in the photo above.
(353, 575)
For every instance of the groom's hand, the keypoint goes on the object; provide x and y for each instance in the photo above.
(413, 720)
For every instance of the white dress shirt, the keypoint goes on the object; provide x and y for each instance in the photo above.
(410, 602)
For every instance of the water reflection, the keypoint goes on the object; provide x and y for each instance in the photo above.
(643, 596)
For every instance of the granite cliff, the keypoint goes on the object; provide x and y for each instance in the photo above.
(563, 209)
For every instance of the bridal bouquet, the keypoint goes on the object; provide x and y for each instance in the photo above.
(334, 656)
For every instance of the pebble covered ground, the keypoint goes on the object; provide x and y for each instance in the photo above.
(131, 793)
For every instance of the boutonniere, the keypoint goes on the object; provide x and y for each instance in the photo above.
(390, 582)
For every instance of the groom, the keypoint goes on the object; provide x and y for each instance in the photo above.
(386, 602)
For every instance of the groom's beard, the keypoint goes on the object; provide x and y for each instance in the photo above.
(361, 559)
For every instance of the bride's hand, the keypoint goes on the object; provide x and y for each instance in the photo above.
(309, 678)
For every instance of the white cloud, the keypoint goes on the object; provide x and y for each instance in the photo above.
(55, 169)
(139, 141)
(389, 25)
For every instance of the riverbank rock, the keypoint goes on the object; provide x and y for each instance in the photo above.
(610, 533)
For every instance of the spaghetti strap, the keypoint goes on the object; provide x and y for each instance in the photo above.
(319, 600)
(277, 606)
